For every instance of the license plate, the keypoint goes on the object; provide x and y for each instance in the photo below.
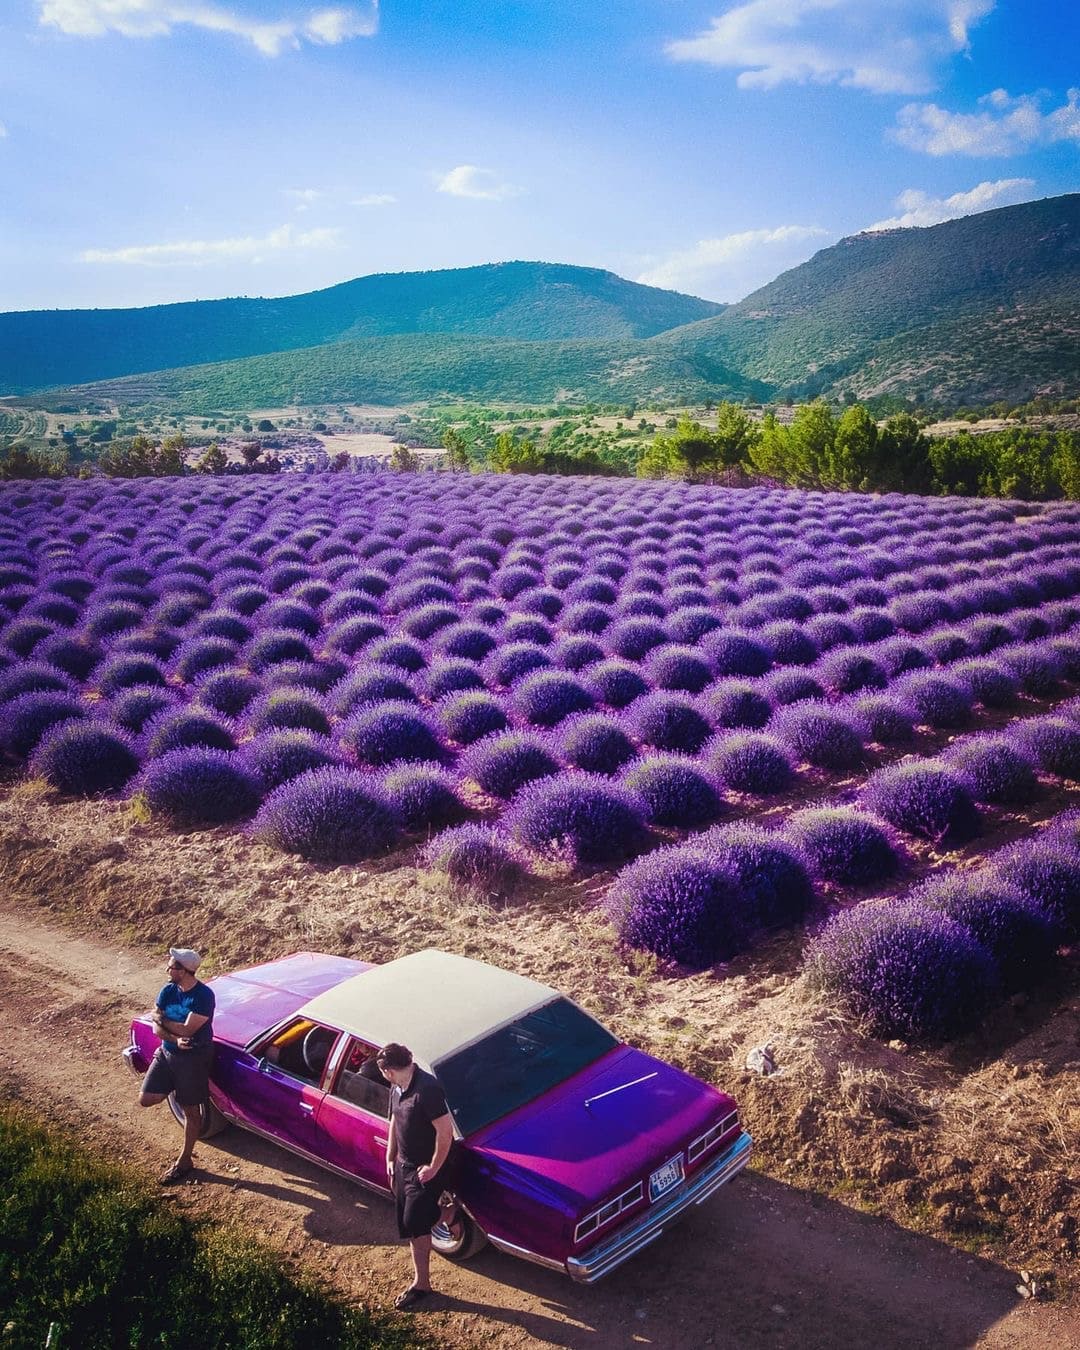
(665, 1177)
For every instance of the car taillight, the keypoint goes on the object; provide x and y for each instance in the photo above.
(607, 1212)
(705, 1141)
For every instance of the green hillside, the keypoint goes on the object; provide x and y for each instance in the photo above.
(407, 368)
(521, 300)
(916, 310)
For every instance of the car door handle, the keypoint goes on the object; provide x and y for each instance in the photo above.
(384, 1142)
(306, 1107)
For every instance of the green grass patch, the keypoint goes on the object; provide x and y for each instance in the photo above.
(103, 1260)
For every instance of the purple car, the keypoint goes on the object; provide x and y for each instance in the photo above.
(574, 1150)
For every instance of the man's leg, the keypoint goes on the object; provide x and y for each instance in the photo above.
(193, 1120)
(421, 1260)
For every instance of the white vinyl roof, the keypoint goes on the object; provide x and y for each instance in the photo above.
(432, 1002)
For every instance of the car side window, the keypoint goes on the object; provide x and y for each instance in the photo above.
(360, 1081)
(301, 1049)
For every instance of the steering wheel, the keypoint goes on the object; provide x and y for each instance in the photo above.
(315, 1049)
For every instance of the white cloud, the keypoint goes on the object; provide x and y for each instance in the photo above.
(1005, 126)
(200, 252)
(158, 18)
(3, 131)
(736, 264)
(885, 46)
(481, 185)
(303, 199)
(919, 208)
(375, 199)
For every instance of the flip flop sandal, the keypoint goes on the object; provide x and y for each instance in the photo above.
(411, 1298)
(176, 1173)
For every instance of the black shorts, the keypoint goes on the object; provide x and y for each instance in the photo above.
(417, 1203)
(183, 1072)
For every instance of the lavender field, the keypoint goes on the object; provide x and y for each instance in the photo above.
(753, 708)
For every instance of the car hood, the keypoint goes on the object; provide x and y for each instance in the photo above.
(251, 1001)
(608, 1125)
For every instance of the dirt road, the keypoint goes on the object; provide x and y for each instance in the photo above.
(763, 1265)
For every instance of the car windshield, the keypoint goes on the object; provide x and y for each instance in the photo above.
(520, 1062)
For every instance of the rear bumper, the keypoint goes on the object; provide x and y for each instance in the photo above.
(605, 1256)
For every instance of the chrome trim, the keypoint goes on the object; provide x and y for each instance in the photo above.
(303, 1153)
(512, 1249)
(128, 1056)
(605, 1256)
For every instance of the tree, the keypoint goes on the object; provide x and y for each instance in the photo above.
(852, 465)
(250, 452)
(402, 460)
(457, 449)
(510, 455)
(214, 460)
(736, 432)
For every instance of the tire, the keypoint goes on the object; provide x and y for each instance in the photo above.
(472, 1239)
(213, 1121)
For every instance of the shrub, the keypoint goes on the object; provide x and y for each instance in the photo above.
(275, 646)
(450, 676)
(74, 657)
(734, 703)
(682, 668)
(991, 683)
(987, 635)
(549, 696)
(580, 819)
(468, 716)
(288, 709)
(181, 728)
(31, 676)
(222, 623)
(84, 758)
(733, 653)
(843, 845)
(884, 719)
(633, 639)
(117, 616)
(1054, 742)
(502, 764)
(380, 733)
(910, 971)
(947, 645)
(675, 791)
(1018, 935)
(1047, 874)
(126, 672)
(478, 861)
(585, 618)
(616, 683)
(27, 718)
(228, 692)
(771, 873)
(506, 665)
(691, 623)
(425, 797)
(819, 735)
(398, 652)
(871, 625)
(682, 905)
(849, 670)
(995, 770)
(595, 742)
(900, 655)
(277, 756)
(669, 722)
(467, 640)
(789, 645)
(22, 636)
(369, 684)
(791, 686)
(291, 614)
(755, 764)
(352, 635)
(329, 815)
(134, 708)
(576, 653)
(827, 631)
(1038, 668)
(936, 700)
(924, 798)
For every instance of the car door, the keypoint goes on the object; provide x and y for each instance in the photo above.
(352, 1117)
(278, 1086)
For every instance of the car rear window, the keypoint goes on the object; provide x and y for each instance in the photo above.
(520, 1062)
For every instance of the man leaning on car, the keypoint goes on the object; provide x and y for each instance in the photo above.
(417, 1155)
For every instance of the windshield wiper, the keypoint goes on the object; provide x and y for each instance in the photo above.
(611, 1091)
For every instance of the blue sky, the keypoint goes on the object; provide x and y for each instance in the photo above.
(160, 150)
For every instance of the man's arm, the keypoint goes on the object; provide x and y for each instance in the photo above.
(176, 1030)
(444, 1136)
(391, 1150)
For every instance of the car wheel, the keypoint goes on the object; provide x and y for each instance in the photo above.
(466, 1244)
(213, 1121)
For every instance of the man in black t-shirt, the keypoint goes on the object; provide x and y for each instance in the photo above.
(417, 1151)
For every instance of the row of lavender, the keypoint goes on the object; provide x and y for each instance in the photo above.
(626, 629)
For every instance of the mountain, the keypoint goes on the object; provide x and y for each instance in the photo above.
(975, 309)
(971, 311)
(516, 300)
